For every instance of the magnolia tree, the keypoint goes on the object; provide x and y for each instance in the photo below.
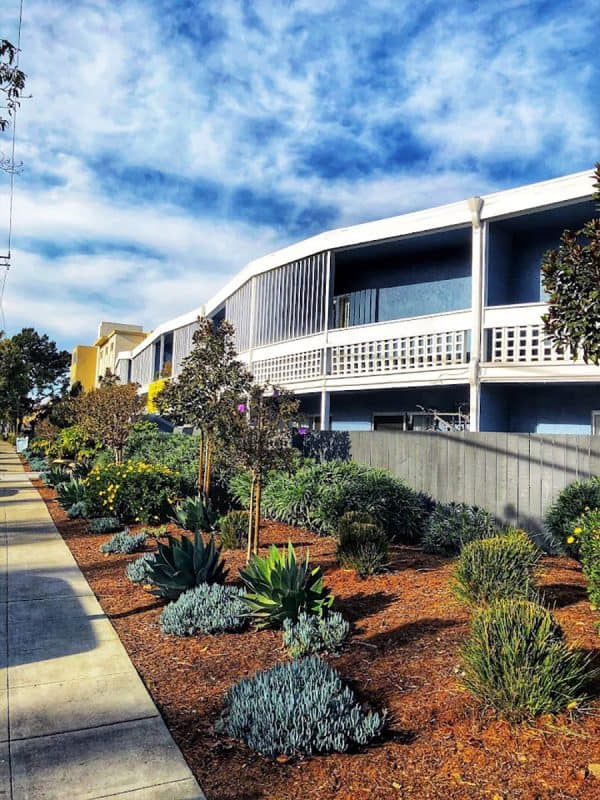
(107, 415)
(207, 392)
(571, 276)
(261, 440)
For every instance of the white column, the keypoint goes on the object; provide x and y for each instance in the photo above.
(325, 409)
(479, 237)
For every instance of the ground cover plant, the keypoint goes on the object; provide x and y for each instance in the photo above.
(311, 634)
(138, 571)
(517, 662)
(104, 524)
(78, 509)
(298, 707)
(496, 568)
(452, 526)
(568, 506)
(123, 542)
(403, 655)
(279, 588)
(207, 608)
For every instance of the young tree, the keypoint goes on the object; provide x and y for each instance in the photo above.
(207, 391)
(571, 276)
(108, 414)
(261, 440)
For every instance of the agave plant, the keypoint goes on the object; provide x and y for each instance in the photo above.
(70, 492)
(195, 514)
(184, 563)
(280, 588)
(56, 474)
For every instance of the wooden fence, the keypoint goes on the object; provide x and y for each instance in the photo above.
(515, 476)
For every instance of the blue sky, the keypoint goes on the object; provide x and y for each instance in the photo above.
(169, 142)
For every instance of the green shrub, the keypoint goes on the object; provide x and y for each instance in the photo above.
(176, 451)
(70, 492)
(135, 491)
(195, 514)
(568, 506)
(452, 526)
(205, 609)
(77, 510)
(586, 533)
(157, 532)
(38, 464)
(73, 443)
(280, 588)
(362, 545)
(496, 568)
(138, 571)
(312, 634)
(297, 707)
(104, 524)
(184, 563)
(233, 530)
(516, 661)
(123, 542)
(56, 474)
(318, 495)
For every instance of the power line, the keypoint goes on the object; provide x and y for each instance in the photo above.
(6, 265)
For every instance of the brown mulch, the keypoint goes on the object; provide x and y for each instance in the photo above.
(403, 655)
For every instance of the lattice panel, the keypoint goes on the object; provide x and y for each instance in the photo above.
(522, 344)
(398, 355)
(289, 369)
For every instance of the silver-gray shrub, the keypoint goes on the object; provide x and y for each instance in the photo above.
(138, 571)
(208, 608)
(78, 509)
(123, 542)
(104, 524)
(312, 634)
(297, 707)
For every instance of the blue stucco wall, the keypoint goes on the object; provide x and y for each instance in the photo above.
(412, 285)
(353, 411)
(534, 408)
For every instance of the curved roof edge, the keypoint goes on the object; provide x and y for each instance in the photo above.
(555, 191)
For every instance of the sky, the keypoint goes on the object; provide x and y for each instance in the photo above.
(166, 143)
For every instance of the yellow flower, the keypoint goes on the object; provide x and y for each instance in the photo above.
(572, 705)
(577, 530)
(570, 539)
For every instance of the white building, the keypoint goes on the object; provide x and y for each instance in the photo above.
(425, 319)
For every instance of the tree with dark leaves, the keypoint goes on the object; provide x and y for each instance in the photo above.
(571, 276)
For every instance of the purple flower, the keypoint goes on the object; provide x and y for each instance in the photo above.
(242, 408)
(302, 431)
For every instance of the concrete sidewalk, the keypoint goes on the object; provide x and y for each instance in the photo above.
(75, 718)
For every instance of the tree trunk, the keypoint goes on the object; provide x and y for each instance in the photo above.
(257, 498)
(200, 461)
(250, 522)
(207, 468)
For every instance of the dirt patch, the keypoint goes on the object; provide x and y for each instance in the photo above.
(407, 629)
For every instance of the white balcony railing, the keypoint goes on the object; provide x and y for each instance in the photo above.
(511, 344)
(289, 368)
(384, 356)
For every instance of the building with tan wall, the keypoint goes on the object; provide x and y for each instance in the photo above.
(90, 362)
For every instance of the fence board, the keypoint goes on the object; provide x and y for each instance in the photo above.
(516, 476)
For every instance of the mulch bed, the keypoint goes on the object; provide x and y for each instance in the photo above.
(407, 629)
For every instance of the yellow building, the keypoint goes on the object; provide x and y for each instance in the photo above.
(84, 359)
(90, 362)
(114, 337)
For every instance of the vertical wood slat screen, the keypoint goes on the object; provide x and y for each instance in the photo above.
(182, 345)
(142, 366)
(237, 311)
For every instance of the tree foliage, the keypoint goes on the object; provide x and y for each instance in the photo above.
(261, 440)
(207, 391)
(31, 368)
(571, 276)
(108, 414)
(12, 83)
